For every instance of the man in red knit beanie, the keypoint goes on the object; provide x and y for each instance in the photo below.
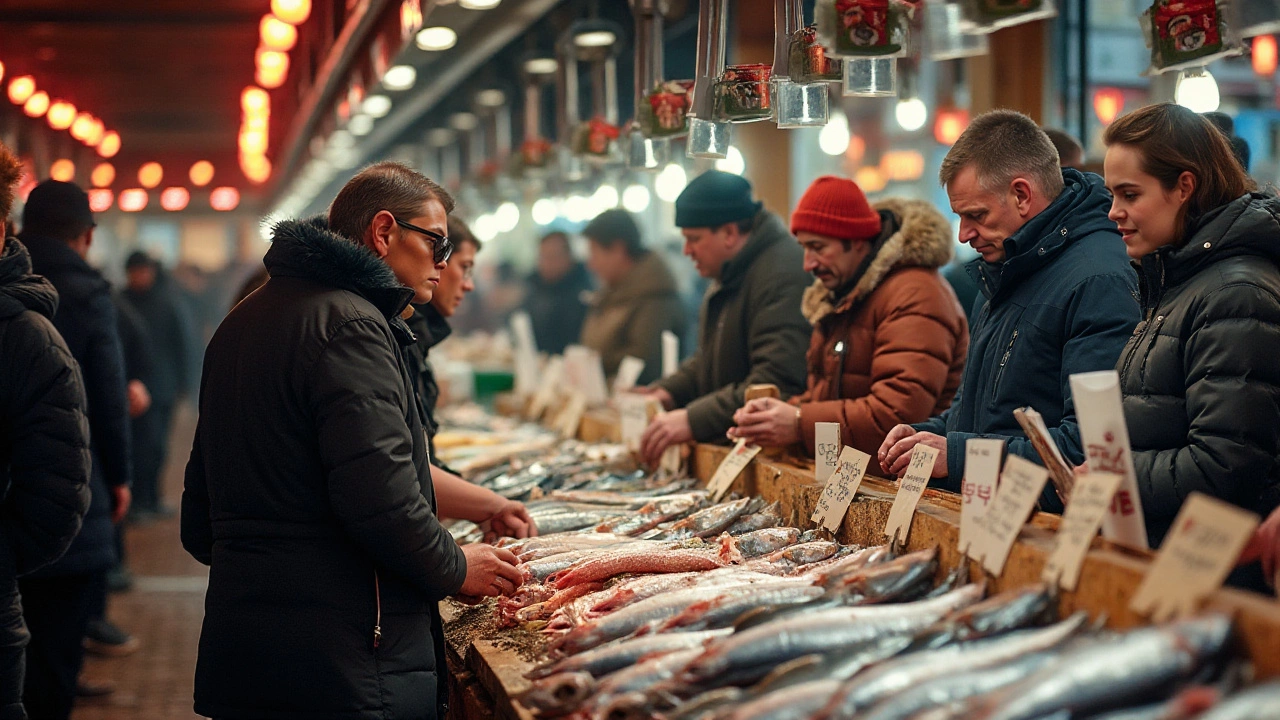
(889, 337)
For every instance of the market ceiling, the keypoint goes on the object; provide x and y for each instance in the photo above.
(166, 74)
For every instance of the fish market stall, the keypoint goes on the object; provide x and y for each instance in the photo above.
(673, 571)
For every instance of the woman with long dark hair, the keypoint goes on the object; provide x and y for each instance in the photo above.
(1201, 374)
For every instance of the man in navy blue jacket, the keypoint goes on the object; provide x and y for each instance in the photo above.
(59, 601)
(1058, 295)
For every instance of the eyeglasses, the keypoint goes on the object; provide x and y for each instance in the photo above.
(441, 246)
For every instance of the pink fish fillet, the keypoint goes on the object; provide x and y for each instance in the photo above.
(670, 561)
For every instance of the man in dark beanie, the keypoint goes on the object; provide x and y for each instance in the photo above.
(750, 328)
(60, 600)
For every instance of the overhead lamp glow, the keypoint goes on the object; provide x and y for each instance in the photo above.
(485, 227)
(399, 77)
(253, 142)
(201, 173)
(911, 114)
(255, 101)
(100, 199)
(272, 61)
(376, 106)
(133, 200)
(834, 137)
(478, 4)
(360, 125)
(294, 12)
(271, 77)
(635, 198)
(541, 66)
(544, 211)
(595, 38)
(1197, 90)
(110, 144)
(436, 39)
(150, 175)
(61, 115)
(670, 182)
(578, 208)
(37, 104)
(733, 162)
(96, 133)
(463, 121)
(256, 168)
(440, 137)
(224, 199)
(82, 128)
(507, 216)
(21, 88)
(174, 199)
(604, 198)
(491, 98)
(103, 174)
(277, 34)
(341, 140)
(62, 170)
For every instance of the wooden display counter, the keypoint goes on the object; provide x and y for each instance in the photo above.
(1108, 580)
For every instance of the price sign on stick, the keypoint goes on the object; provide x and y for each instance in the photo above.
(628, 373)
(1080, 522)
(571, 417)
(670, 353)
(635, 412)
(840, 489)
(548, 389)
(1106, 442)
(910, 489)
(1037, 432)
(826, 446)
(671, 462)
(526, 354)
(730, 468)
(981, 475)
(1021, 483)
(1196, 556)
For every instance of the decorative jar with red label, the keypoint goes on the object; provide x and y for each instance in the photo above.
(666, 112)
(1182, 31)
(809, 60)
(742, 93)
(863, 28)
(595, 138)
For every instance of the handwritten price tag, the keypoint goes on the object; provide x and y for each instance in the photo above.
(634, 413)
(840, 489)
(628, 373)
(1106, 442)
(981, 474)
(1080, 522)
(730, 468)
(571, 416)
(826, 447)
(670, 353)
(1020, 486)
(1196, 556)
(910, 488)
(1037, 432)
(552, 378)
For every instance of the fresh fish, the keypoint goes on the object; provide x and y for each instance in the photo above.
(751, 653)
(1009, 610)
(559, 694)
(614, 656)
(649, 516)
(1111, 673)
(545, 609)
(632, 500)
(536, 548)
(566, 520)
(765, 541)
(636, 678)
(769, 517)
(805, 553)
(702, 707)
(602, 566)
(712, 520)
(722, 611)
(640, 588)
(959, 685)
(1260, 702)
(540, 570)
(838, 564)
(909, 670)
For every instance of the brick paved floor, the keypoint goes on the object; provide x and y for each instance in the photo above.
(164, 611)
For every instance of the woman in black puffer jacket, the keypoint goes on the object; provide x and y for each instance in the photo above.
(1201, 375)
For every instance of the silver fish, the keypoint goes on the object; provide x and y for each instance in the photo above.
(1256, 703)
(636, 678)
(948, 690)
(559, 694)
(722, 611)
(614, 656)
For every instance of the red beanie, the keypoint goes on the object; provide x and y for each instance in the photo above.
(835, 207)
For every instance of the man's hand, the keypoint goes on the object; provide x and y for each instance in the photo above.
(1265, 546)
(121, 499)
(666, 430)
(768, 422)
(895, 452)
(511, 519)
(490, 571)
(657, 393)
(139, 398)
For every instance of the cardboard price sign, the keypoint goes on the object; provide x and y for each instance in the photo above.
(670, 353)
(571, 416)
(981, 475)
(1021, 483)
(635, 412)
(826, 446)
(1080, 522)
(1060, 471)
(1106, 442)
(730, 468)
(552, 378)
(910, 489)
(526, 354)
(1201, 548)
(628, 373)
(840, 489)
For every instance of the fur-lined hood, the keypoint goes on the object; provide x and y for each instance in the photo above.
(308, 249)
(923, 239)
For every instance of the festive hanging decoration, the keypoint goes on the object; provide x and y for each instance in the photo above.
(1186, 33)
(742, 94)
(990, 15)
(595, 137)
(862, 28)
(809, 60)
(666, 109)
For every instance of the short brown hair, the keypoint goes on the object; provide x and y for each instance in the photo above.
(390, 186)
(1001, 145)
(10, 174)
(1172, 140)
(459, 233)
(1067, 146)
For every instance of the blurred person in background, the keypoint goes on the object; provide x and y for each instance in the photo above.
(1059, 296)
(889, 337)
(554, 300)
(62, 600)
(45, 462)
(637, 300)
(1070, 151)
(750, 329)
(309, 490)
(165, 318)
(1239, 146)
(1200, 377)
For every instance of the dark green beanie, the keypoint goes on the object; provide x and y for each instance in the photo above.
(715, 198)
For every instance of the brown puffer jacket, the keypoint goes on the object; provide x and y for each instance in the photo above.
(904, 335)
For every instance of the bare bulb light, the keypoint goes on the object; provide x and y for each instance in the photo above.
(1197, 90)
(670, 182)
(911, 114)
(733, 162)
(834, 137)
(436, 39)
(636, 198)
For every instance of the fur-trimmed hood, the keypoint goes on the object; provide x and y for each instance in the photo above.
(308, 249)
(922, 239)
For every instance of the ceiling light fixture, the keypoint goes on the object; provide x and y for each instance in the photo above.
(36, 105)
(294, 12)
(541, 66)
(400, 77)
(360, 125)
(595, 38)
(463, 121)
(103, 174)
(436, 39)
(174, 199)
(82, 128)
(478, 4)
(150, 175)
(61, 115)
(491, 98)
(21, 88)
(133, 199)
(110, 144)
(277, 34)
(376, 106)
(224, 199)
(201, 173)
(100, 199)
(62, 170)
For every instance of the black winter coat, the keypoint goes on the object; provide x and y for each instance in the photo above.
(309, 495)
(1201, 374)
(169, 327)
(44, 447)
(557, 310)
(86, 319)
(1064, 301)
(430, 328)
